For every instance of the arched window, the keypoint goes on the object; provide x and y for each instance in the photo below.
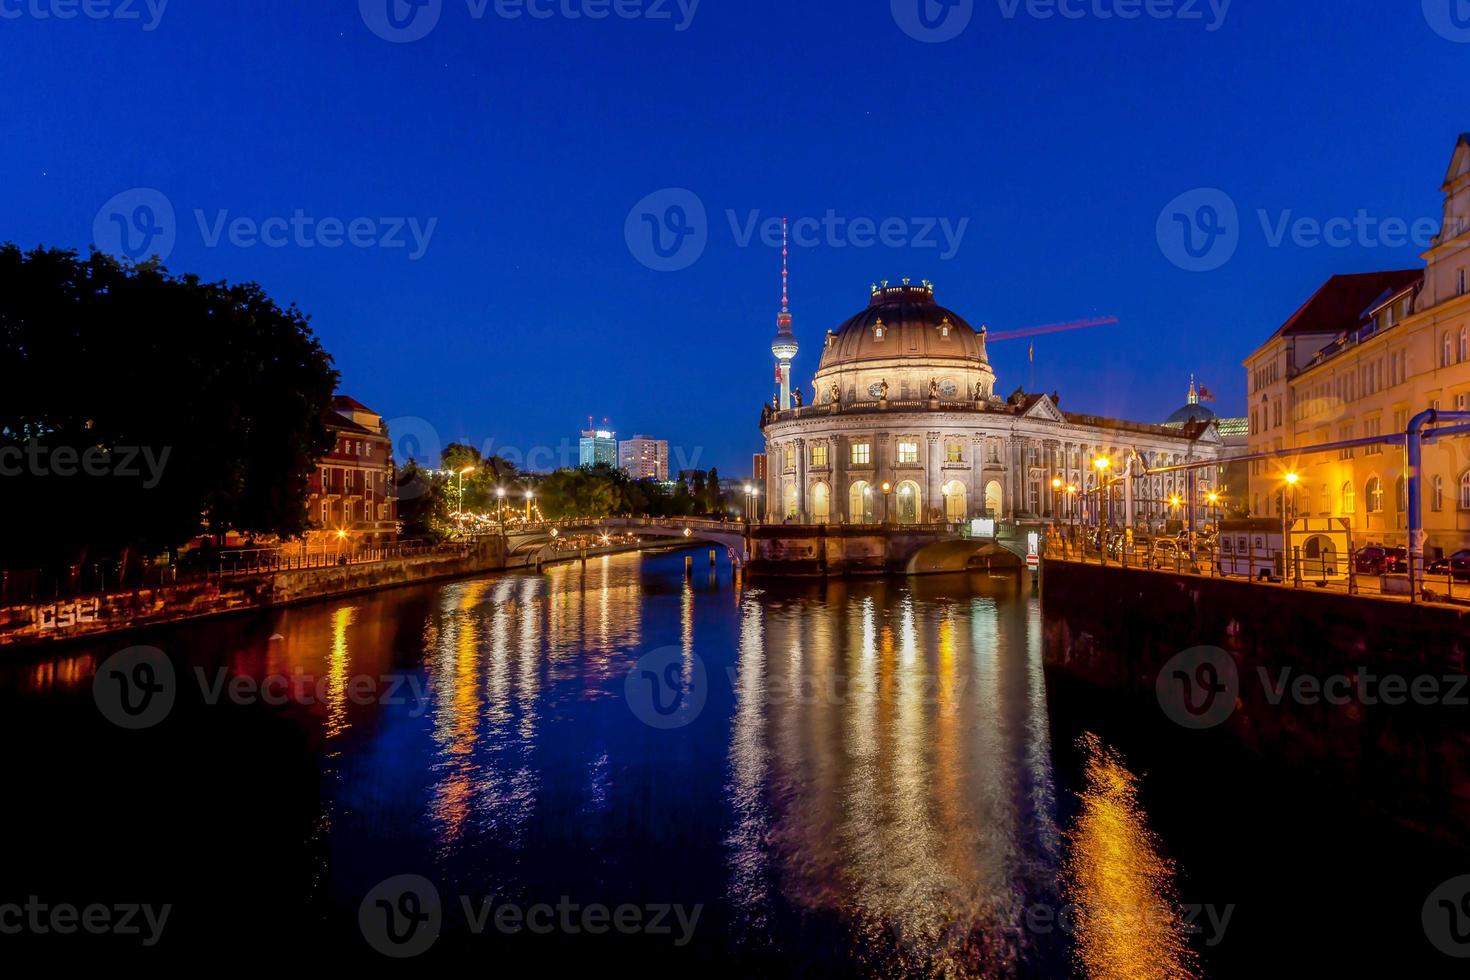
(1374, 493)
(821, 503)
(1437, 499)
(1326, 501)
(860, 503)
(1444, 350)
(1465, 490)
(1349, 499)
(910, 503)
(1464, 344)
(1401, 494)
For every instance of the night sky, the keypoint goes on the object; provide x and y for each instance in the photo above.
(528, 142)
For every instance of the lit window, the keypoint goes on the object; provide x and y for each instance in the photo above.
(954, 452)
(819, 454)
(878, 330)
(1465, 490)
(908, 453)
(862, 454)
(1349, 499)
(790, 457)
(1437, 501)
(1375, 495)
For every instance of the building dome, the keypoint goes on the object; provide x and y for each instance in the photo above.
(903, 321)
(1191, 413)
(908, 342)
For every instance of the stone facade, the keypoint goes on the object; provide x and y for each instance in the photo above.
(905, 396)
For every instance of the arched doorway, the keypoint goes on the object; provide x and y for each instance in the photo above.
(1319, 558)
(860, 503)
(910, 503)
(993, 498)
(789, 511)
(956, 503)
(821, 504)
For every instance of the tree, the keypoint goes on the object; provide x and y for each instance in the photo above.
(713, 495)
(140, 408)
(424, 506)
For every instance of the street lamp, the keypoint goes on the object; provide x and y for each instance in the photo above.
(1105, 514)
(530, 496)
(1056, 498)
(462, 474)
(1289, 490)
(1213, 499)
(887, 489)
(500, 503)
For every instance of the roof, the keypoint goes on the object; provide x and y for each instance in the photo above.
(913, 326)
(338, 422)
(1340, 303)
(346, 403)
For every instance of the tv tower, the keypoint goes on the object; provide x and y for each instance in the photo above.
(784, 347)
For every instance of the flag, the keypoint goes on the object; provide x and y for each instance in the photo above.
(778, 374)
(1205, 394)
(1032, 353)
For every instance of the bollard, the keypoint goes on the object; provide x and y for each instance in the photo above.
(1296, 560)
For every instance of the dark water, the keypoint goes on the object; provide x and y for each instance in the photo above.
(628, 771)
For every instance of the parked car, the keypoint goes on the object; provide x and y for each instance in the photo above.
(1457, 564)
(1377, 560)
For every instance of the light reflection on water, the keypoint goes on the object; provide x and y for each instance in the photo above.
(874, 764)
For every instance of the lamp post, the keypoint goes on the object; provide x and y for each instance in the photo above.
(1056, 499)
(1104, 514)
(500, 502)
(1288, 490)
(462, 474)
(887, 491)
(530, 496)
(1213, 499)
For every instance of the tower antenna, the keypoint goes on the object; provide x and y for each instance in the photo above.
(784, 347)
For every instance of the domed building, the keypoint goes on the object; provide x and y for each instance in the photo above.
(904, 397)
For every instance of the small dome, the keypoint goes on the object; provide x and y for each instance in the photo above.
(902, 322)
(1191, 413)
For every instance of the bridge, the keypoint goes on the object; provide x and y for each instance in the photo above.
(800, 549)
(528, 547)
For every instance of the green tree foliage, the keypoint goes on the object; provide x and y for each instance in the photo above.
(108, 365)
(424, 502)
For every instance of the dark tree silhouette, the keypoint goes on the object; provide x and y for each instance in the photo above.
(140, 408)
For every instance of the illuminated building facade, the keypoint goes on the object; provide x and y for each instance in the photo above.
(644, 458)
(351, 489)
(905, 397)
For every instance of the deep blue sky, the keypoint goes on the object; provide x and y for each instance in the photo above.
(1061, 141)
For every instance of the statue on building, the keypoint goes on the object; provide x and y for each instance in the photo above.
(836, 393)
(934, 389)
(796, 397)
(883, 390)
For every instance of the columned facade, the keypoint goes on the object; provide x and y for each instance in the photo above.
(961, 452)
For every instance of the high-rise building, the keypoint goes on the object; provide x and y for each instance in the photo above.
(758, 467)
(598, 447)
(644, 458)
